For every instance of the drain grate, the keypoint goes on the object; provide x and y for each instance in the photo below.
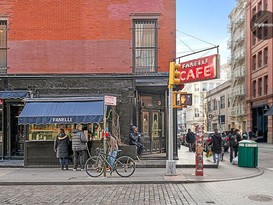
(260, 197)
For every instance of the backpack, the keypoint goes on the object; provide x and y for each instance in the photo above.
(233, 141)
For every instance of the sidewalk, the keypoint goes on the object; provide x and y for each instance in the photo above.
(147, 171)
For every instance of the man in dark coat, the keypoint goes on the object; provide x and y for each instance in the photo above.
(61, 147)
(216, 148)
(135, 139)
(190, 138)
(234, 140)
(79, 146)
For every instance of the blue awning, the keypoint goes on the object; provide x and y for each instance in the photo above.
(62, 112)
(13, 94)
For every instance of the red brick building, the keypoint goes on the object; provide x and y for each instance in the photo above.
(66, 49)
(259, 75)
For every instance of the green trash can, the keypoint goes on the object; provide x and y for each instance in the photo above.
(248, 153)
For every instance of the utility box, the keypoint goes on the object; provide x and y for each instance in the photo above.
(248, 153)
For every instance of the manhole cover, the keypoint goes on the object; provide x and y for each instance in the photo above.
(260, 197)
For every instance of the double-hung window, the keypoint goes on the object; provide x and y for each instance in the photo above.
(3, 46)
(145, 45)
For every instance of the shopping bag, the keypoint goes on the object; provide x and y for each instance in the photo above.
(209, 153)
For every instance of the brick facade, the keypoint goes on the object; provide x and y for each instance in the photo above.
(50, 36)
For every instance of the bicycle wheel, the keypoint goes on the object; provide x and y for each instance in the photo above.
(125, 166)
(94, 166)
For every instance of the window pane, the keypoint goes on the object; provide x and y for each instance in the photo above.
(145, 48)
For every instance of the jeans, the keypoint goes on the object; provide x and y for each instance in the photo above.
(140, 148)
(112, 157)
(233, 152)
(63, 162)
(191, 146)
(79, 158)
(216, 158)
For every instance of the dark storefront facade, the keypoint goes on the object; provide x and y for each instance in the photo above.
(140, 102)
(81, 50)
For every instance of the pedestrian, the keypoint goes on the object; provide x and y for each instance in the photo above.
(112, 149)
(190, 138)
(61, 147)
(79, 146)
(135, 139)
(216, 146)
(234, 139)
(251, 135)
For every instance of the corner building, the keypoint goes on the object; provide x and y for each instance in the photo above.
(259, 73)
(71, 51)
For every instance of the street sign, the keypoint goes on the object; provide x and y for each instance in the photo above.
(110, 100)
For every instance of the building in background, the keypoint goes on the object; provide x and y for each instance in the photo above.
(237, 46)
(217, 108)
(79, 50)
(259, 73)
(194, 116)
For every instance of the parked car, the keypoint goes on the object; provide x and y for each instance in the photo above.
(207, 140)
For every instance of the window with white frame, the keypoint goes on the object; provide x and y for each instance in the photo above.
(196, 112)
(145, 45)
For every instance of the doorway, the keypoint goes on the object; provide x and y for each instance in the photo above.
(14, 138)
(152, 122)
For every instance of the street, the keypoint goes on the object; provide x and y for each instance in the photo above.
(257, 190)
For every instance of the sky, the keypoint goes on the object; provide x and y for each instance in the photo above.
(206, 20)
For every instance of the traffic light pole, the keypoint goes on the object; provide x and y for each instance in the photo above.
(170, 163)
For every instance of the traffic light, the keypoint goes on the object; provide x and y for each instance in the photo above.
(178, 87)
(174, 74)
(186, 99)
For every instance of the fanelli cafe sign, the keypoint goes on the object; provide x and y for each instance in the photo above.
(200, 69)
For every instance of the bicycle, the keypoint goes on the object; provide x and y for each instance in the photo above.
(124, 166)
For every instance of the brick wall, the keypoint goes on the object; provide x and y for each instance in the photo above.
(56, 36)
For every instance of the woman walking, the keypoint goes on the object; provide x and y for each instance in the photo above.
(61, 145)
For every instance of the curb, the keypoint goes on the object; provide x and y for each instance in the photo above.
(109, 182)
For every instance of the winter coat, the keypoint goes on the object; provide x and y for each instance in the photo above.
(133, 138)
(234, 140)
(79, 141)
(61, 146)
(190, 137)
(216, 143)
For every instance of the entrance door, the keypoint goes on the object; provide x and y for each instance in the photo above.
(153, 131)
(14, 146)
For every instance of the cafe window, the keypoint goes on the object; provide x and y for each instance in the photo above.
(49, 132)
